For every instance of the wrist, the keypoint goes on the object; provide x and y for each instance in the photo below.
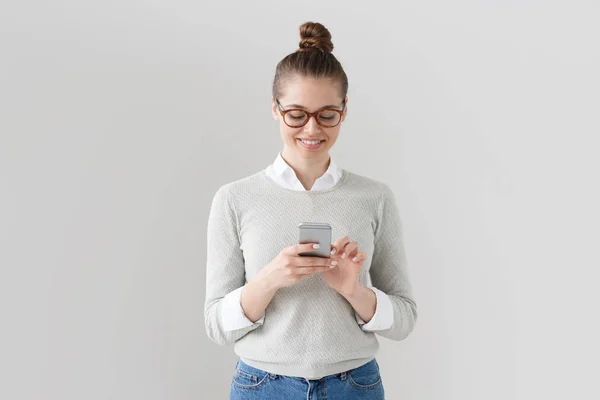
(266, 285)
(355, 293)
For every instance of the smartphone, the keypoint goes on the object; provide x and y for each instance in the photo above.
(316, 232)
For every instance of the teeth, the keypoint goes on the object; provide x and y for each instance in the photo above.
(311, 141)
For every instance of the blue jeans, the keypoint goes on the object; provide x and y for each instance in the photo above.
(364, 382)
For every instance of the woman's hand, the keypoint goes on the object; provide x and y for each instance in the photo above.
(345, 279)
(288, 268)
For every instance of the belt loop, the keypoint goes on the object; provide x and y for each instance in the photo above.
(343, 376)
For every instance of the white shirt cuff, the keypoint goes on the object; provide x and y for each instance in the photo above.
(384, 314)
(232, 313)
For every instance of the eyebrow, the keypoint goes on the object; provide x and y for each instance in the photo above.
(304, 108)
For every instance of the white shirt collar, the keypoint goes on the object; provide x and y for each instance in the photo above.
(282, 173)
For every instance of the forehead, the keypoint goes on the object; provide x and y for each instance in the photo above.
(311, 93)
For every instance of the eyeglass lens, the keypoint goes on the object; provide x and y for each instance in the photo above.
(324, 117)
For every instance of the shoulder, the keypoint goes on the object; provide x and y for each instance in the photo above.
(239, 187)
(368, 185)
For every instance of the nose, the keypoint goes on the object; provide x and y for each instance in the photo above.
(312, 125)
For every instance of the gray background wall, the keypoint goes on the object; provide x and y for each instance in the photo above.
(120, 119)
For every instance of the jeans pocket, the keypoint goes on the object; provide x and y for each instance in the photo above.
(366, 376)
(246, 377)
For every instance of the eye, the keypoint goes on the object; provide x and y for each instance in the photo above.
(296, 115)
(327, 115)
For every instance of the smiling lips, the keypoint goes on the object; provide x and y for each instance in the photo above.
(311, 144)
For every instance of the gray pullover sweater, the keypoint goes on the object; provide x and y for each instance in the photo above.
(309, 330)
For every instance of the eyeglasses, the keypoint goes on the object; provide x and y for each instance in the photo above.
(296, 118)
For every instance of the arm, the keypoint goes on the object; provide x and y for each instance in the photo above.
(224, 317)
(373, 309)
(389, 273)
(256, 296)
(364, 302)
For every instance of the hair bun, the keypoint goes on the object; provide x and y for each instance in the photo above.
(314, 35)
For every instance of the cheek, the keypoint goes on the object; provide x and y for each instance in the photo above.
(287, 132)
(334, 135)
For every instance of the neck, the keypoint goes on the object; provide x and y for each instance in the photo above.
(307, 170)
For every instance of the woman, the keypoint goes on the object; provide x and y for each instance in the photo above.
(304, 327)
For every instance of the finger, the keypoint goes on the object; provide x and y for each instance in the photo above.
(350, 250)
(302, 248)
(339, 244)
(333, 250)
(307, 261)
(360, 257)
(311, 270)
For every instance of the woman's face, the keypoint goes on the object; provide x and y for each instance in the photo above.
(309, 94)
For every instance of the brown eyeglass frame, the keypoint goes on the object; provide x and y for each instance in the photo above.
(315, 114)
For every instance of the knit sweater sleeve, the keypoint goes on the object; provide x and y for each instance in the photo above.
(225, 269)
(389, 272)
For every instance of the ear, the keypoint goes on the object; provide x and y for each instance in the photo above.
(274, 110)
(345, 111)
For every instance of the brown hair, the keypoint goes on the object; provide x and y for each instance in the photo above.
(312, 59)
